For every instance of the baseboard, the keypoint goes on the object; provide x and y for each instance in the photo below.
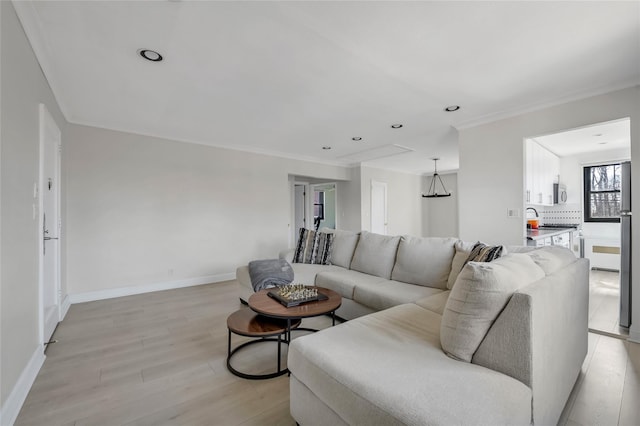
(634, 335)
(12, 406)
(66, 304)
(111, 293)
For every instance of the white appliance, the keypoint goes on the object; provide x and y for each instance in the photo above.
(625, 239)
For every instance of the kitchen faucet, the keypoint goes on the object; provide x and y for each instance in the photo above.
(534, 210)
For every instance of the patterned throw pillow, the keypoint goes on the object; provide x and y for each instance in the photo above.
(484, 253)
(322, 249)
(304, 246)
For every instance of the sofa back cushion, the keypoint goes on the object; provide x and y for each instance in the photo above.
(342, 247)
(552, 258)
(424, 261)
(480, 293)
(375, 254)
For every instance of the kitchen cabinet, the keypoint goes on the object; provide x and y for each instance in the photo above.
(542, 168)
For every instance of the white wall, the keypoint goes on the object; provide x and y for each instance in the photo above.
(349, 201)
(440, 218)
(23, 89)
(145, 211)
(492, 165)
(404, 200)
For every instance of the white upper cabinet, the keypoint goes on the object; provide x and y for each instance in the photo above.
(542, 170)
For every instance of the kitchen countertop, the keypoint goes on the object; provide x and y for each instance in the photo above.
(536, 234)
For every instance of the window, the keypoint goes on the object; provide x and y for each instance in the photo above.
(602, 193)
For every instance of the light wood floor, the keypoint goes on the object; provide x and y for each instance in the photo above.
(160, 358)
(604, 302)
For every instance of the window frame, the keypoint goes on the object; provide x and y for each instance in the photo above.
(586, 186)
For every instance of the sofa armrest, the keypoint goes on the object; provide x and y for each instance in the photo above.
(287, 255)
(540, 338)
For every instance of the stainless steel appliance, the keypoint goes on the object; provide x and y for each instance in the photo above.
(625, 252)
(559, 193)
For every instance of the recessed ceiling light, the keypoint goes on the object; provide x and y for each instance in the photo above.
(326, 147)
(396, 126)
(452, 108)
(357, 138)
(150, 55)
(597, 135)
(602, 143)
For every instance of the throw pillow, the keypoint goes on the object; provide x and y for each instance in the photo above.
(459, 260)
(304, 246)
(484, 253)
(322, 249)
(480, 293)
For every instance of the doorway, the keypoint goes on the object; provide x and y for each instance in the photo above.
(379, 220)
(324, 205)
(49, 202)
(591, 160)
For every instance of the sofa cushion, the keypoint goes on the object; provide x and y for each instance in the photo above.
(343, 245)
(375, 254)
(434, 303)
(424, 261)
(306, 273)
(463, 249)
(386, 294)
(552, 258)
(481, 291)
(388, 368)
(344, 281)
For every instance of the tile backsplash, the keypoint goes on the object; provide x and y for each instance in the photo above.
(560, 213)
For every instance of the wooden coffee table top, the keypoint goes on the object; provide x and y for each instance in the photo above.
(265, 305)
(246, 322)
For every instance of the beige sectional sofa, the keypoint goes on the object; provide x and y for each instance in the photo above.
(432, 342)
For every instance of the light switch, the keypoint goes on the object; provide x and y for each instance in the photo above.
(513, 212)
(35, 190)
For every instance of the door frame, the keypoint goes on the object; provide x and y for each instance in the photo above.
(46, 120)
(313, 188)
(293, 235)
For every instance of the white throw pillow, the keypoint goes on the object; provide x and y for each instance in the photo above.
(463, 249)
(480, 293)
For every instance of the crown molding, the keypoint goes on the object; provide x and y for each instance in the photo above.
(259, 151)
(501, 115)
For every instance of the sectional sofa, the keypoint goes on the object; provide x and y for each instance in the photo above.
(434, 339)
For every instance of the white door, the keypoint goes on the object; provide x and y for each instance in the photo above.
(50, 146)
(379, 207)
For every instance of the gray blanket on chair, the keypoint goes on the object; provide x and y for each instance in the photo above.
(270, 273)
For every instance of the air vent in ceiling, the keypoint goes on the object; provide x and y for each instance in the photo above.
(376, 153)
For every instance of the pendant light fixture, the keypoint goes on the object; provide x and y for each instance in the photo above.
(433, 189)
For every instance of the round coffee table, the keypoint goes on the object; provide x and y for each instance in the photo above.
(248, 323)
(263, 304)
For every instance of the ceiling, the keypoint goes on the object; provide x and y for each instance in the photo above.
(288, 78)
(607, 136)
